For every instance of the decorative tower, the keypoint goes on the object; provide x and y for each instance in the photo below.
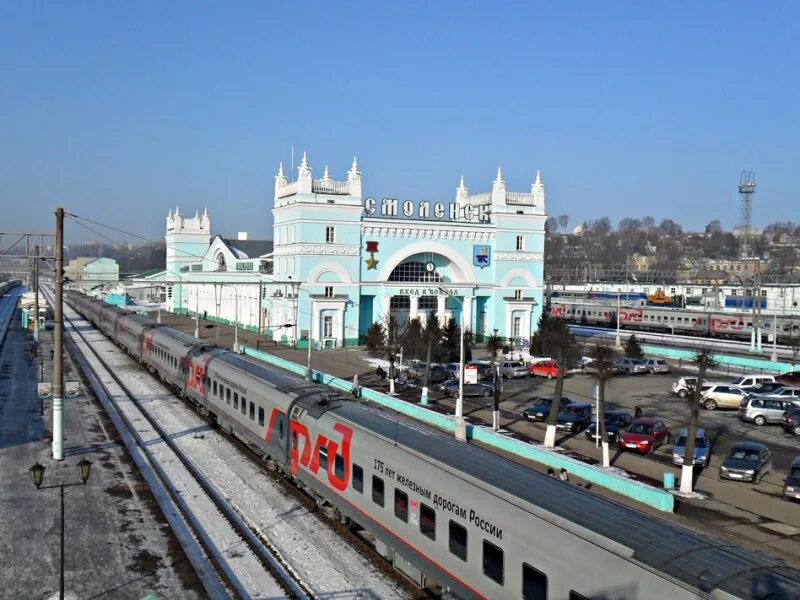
(499, 190)
(462, 191)
(187, 241)
(537, 190)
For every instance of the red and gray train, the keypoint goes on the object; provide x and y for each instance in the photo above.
(684, 321)
(452, 517)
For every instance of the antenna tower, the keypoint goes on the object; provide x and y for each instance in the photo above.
(747, 187)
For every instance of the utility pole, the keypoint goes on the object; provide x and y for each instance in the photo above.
(36, 294)
(58, 332)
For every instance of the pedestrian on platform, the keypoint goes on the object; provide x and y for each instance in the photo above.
(637, 412)
(563, 475)
(381, 374)
(356, 391)
(551, 473)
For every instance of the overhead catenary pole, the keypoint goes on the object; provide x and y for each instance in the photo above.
(36, 294)
(58, 332)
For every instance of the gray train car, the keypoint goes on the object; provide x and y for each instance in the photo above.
(481, 526)
(164, 351)
(130, 333)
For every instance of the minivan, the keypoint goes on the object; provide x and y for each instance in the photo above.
(764, 410)
(747, 382)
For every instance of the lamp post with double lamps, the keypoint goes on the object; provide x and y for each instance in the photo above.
(37, 474)
(461, 425)
(236, 321)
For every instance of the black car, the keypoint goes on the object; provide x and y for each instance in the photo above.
(540, 408)
(574, 417)
(594, 367)
(790, 421)
(792, 379)
(791, 485)
(746, 461)
(470, 389)
(766, 387)
(616, 422)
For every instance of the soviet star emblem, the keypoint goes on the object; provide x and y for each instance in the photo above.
(372, 262)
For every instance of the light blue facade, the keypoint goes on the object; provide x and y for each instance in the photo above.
(342, 261)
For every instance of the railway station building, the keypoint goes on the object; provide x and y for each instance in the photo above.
(340, 260)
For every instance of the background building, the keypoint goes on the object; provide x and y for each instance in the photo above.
(89, 274)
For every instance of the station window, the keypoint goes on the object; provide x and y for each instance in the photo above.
(252, 409)
(520, 243)
(517, 294)
(358, 478)
(236, 400)
(329, 291)
(493, 562)
(323, 458)
(330, 235)
(401, 505)
(427, 521)
(377, 490)
(327, 326)
(260, 415)
(338, 466)
(458, 540)
(534, 583)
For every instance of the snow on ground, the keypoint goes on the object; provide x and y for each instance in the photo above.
(326, 563)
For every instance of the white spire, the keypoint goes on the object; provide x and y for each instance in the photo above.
(499, 178)
(326, 176)
(538, 177)
(304, 170)
(205, 212)
(177, 211)
(537, 190)
(280, 170)
(353, 173)
(462, 191)
(281, 179)
(169, 216)
(197, 214)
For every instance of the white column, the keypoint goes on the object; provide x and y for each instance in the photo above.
(468, 301)
(440, 306)
(414, 300)
(315, 316)
(338, 327)
(386, 300)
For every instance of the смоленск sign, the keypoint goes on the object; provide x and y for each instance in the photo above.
(392, 207)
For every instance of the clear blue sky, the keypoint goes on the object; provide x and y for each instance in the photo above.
(120, 110)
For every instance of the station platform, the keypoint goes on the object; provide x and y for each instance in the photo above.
(117, 543)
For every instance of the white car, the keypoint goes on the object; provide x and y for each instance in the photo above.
(722, 395)
(657, 365)
(512, 370)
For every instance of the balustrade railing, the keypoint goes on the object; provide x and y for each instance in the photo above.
(520, 198)
(323, 186)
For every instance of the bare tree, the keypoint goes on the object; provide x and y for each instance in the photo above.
(557, 341)
(563, 221)
(602, 353)
(704, 359)
(432, 336)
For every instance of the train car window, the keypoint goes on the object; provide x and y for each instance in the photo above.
(227, 393)
(358, 478)
(260, 415)
(377, 490)
(338, 466)
(493, 562)
(401, 505)
(236, 400)
(458, 540)
(244, 407)
(281, 430)
(214, 387)
(573, 595)
(252, 409)
(534, 583)
(323, 458)
(427, 521)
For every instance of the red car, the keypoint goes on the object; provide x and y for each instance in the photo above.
(545, 368)
(792, 378)
(644, 435)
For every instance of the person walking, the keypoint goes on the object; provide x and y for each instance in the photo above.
(637, 413)
(551, 473)
(356, 391)
(563, 475)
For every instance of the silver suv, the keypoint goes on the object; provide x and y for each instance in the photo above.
(762, 409)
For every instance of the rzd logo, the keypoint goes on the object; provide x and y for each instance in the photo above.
(310, 459)
(196, 375)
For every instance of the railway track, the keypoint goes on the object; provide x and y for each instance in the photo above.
(228, 555)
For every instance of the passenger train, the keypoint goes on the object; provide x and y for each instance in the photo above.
(8, 285)
(450, 516)
(685, 321)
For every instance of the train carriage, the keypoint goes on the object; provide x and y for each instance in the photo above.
(130, 332)
(164, 350)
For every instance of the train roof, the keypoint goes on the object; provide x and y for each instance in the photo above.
(695, 559)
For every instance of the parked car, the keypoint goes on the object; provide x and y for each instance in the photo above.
(765, 409)
(644, 435)
(657, 365)
(786, 393)
(792, 378)
(791, 485)
(616, 421)
(470, 389)
(722, 395)
(592, 367)
(631, 366)
(512, 370)
(545, 368)
(746, 461)
(574, 417)
(685, 385)
(540, 408)
(748, 382)
(766, 387)
(790, 420)
(702, 448)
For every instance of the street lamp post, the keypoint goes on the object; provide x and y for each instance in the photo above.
(197, 312)
(461, 426)
(774, 357)
(617, 342)
(37, 474)
(236, 321)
